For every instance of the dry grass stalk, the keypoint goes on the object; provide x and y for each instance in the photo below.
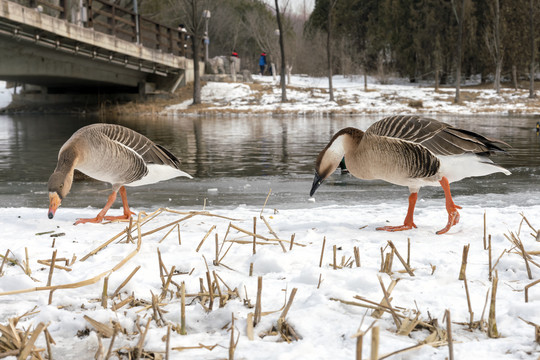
(250, 269)
(249, 233)
(489, 258)
(210, 290)
(183, 309)
(532, 228)
(449, 335)
(4, 262)
(258, 307)
(104, 330)
(536, 329)
(49, 340)
(254, 235)
(104, 245)
(249, 327)
(492, 322)
(378, 313)
(124, 283)
(485, 230)
(408, 325)
(29, 344)
(109, 351)
(216, 260)
(200, 346)
(265, 201)
(26, 264)
(104, 292)
(168, 342)
(157, 312)
(88, 281)
(292, 241)
(222, 299)
(137, 351)
(464, 257)
(56, 266)
(519, 245)
(232, 343)
(167, 283)
(387, 298)
(273, 233)
(471, 313)
(49, 279)
(169, 224)
(16, 342)
(286, 331)
(122, 303)
(320, 281)
(405, 264)
(170, 231)
(409, 251)
(386, 265)
(334, 264)
(205, 237)
(356, 256)
(527, 287)
(374, 355)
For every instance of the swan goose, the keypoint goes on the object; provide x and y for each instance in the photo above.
(411, 151)
(114, 154)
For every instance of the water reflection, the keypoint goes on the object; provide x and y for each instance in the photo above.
(243, 157)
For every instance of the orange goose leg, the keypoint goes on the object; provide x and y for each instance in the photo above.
(127, 212)
(101, 215)
(453, 215)
(408, 223)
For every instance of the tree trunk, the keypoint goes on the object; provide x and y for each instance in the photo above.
(282, 48)
(498, 48)
(328, 50)
(514, 77)
(459, 49)
(532, 93)
(195, 47)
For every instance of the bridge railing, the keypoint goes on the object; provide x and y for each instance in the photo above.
(125, 24)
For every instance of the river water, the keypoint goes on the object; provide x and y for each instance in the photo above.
(237, 160)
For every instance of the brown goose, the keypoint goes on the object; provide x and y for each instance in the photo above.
(113, 154)
(410, 151)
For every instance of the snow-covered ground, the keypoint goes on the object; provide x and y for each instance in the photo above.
(330, 304)
(308, 95)
(323, 313)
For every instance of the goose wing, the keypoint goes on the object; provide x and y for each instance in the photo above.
(150, 152)
(438, 137)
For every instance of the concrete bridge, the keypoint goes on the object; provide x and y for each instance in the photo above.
(64, 51)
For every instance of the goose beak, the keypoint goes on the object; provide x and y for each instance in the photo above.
(54, 203)
(317, 181)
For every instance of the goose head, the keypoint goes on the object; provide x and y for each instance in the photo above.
(59, 186)
(62, 178)
(329, 158)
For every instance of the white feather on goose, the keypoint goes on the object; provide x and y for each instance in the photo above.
(410, 151)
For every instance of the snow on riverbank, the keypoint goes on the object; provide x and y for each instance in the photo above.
(317, 315)
(308, 95)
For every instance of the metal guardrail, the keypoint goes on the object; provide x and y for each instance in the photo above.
(125, 24)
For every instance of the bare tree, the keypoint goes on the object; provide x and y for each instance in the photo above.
(282, 48)
(459, 48)
(494, 43)
(329, 47)
(190, 13)
(532, 93)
